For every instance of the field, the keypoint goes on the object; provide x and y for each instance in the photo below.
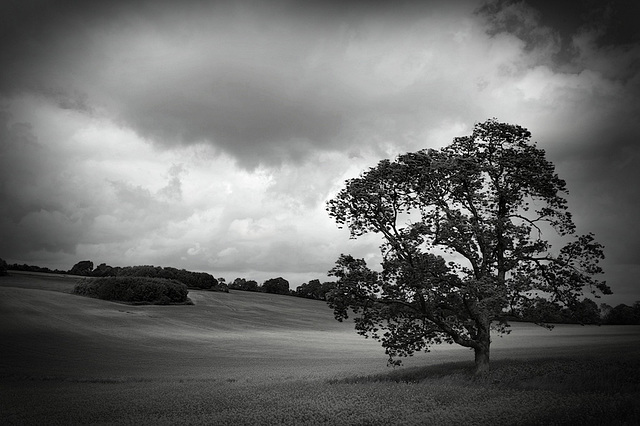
(253, 358)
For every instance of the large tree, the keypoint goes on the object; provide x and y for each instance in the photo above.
(463, 245)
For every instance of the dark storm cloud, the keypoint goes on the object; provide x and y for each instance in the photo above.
(266, 83)
(600, 158)
(612, 23)
(23, 161)
(29, 222)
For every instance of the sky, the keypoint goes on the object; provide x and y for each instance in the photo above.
(209, 135)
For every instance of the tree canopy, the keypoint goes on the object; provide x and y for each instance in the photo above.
(276, 285)
(314, 290)
(463, 247)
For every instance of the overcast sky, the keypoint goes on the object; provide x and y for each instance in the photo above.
(208, 135)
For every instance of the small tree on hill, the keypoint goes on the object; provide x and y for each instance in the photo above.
(84, 267)
(245, 285)
(310, 290)
(104, 270)
(276, 285)
(462, 247)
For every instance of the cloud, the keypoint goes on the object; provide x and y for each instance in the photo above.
(263, 86)
(208, 135)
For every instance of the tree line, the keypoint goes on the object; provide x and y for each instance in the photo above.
(311, 290)
(539, 310)
(193, 280)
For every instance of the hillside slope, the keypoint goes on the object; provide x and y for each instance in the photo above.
(46, 332)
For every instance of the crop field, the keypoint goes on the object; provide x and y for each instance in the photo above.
(254, 358)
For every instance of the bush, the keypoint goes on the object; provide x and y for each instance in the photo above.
(136, 290)
(3, 267)
(196, 280)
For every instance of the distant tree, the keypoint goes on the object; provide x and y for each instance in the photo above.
(311, 290)
(222, 285)
(237, 284)
(462, 249)
(585, 312)
(623, 315)
(84, 267)
(604, 310)
(148, 271)
(3, 267)
(543, 312)
(104, 270)
(314, 290)
(327, 287)
(276, 285)
(33, 268)
(251, 285)
(244, 285)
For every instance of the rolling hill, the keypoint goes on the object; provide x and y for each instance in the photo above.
(250, 358)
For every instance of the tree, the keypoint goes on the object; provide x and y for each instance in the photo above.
(543, 312)
(586, 312)
(3, 267)
(243, 284)
(311, 290)
(104, 270)
(326, 288)
(623, 314)
(84, 267)
(315, 290)
(276, 285)
(237, 283)
(462, 246)
(251, 285)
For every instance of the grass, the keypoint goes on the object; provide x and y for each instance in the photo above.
(539, 391)
(245, 358)
(514, 393)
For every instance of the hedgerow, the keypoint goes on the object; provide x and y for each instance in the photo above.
(196, 280)
(135, 290)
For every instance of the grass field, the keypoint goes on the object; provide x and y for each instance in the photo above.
(253, 358)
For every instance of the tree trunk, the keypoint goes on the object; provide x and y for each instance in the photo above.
(482, 350)
(482, 359)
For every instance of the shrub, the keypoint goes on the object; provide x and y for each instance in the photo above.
(3, 267)
(136, 290)
(196, 280)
